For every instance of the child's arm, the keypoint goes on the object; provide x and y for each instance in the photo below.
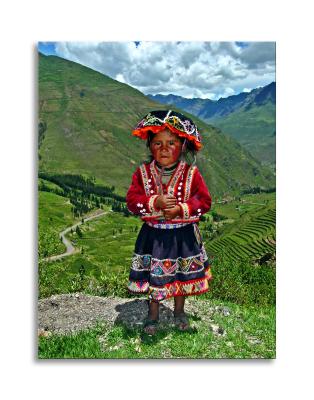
(137, 201)
(199, 201)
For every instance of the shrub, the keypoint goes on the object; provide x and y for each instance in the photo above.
(241, 282)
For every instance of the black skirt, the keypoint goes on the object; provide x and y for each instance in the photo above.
(169, 262)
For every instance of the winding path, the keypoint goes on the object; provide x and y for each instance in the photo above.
(70, 249)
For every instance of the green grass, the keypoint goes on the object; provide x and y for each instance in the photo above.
(106, 248)
(250, 202)
(248, 332)
(108, 242)
(242, 283)
(254, 129)
(89, 120)
(54, 215)
(249, 233)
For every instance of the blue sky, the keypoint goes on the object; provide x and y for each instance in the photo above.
(47, 48)
(189, 69)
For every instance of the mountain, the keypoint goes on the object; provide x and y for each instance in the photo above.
(85, 123)
(250, 118)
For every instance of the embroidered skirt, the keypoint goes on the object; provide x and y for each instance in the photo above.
(169, 262)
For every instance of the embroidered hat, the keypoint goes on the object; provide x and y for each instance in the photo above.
(177, 123)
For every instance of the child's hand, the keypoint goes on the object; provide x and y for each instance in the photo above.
(171, 213)
(165, 201)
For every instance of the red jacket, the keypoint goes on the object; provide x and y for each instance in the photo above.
(186, 184)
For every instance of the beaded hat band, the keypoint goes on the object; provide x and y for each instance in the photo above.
(177, 123)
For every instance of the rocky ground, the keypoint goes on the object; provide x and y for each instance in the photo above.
(69, 313)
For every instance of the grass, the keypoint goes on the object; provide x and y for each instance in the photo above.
(250, 202)
(251, 222)
(254, 129)
(248, 332)
(54, 215)
(106, 250)
(242, 283)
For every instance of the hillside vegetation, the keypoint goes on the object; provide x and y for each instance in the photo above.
(252, 237)
(250, 118)
(236, 319)
(85, 127)
(86, 159)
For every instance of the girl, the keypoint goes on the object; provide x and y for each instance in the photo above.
(170, 196)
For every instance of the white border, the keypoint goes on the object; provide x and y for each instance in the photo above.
(289, 24)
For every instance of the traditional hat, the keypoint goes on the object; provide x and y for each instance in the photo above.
(177, 123)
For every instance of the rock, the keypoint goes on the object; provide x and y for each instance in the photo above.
(226, 311)
(254, 340)
(223, 310)
(138, 349)
(221, 331)
(217, 330)
(43, 333)
(69, 313)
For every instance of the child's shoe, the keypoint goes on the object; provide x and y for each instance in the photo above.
(181, 321)
(150, 326)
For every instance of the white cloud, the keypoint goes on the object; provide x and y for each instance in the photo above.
(189, 69)
(228, 92)
(258, 54)
(120, 78)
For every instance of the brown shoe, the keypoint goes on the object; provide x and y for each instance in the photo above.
(150, 326)
(181, 321)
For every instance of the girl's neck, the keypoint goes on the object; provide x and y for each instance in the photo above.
(169, 168)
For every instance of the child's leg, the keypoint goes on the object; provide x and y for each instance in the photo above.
(153, 309)
(180, 318)
(150, 326)
(179, 305)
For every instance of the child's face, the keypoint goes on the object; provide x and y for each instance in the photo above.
(166, 148)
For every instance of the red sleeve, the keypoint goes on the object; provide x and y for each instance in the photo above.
(137, 201)
(200, 199)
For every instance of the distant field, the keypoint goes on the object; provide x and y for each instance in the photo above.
(252, 233)
(54, 215)
(254, 129)
(107, 243)
(106, 240)
(249, 202)
(253, 240)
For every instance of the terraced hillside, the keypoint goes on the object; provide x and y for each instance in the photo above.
(254, 240)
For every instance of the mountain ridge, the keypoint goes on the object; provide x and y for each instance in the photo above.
(249, 117)
(88, 119)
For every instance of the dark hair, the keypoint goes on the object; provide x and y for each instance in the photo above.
(189, 154)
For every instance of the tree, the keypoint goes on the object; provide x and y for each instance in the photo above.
(78, 231)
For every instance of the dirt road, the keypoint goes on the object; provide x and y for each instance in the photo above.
(70, 249)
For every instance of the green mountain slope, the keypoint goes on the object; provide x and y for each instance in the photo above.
(254, 128)
(85, 123)
(252, 237)
(250, 118)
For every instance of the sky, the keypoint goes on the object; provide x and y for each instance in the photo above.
(207, 70)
